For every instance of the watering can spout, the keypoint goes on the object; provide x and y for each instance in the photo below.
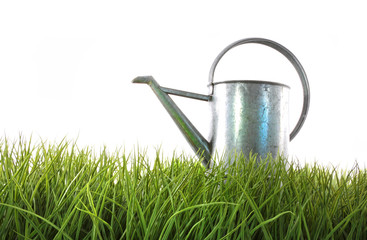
(198, 143)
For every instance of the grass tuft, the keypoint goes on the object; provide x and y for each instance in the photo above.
(62, 192)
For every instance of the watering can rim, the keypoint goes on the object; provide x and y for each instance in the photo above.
(251, 81)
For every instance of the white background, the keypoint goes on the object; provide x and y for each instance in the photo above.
(66, 69)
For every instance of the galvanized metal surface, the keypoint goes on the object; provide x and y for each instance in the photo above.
(246, 115)
(249, 116)
(289, 55)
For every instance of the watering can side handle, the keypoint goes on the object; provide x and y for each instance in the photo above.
(290, 56)
(186, 94)
(149, 79)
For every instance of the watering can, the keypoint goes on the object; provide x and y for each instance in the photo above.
(246, 116)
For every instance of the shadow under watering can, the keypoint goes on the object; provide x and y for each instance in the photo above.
(246, 116)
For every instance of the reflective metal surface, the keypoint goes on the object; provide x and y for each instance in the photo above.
(249, 116)
(289, 55)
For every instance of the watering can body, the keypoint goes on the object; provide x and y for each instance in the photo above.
(247, 116)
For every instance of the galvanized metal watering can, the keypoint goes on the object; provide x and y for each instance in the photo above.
(247, 116)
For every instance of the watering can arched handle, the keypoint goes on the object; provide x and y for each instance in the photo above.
(289, 55)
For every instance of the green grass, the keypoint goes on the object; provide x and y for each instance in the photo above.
(57, 191)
